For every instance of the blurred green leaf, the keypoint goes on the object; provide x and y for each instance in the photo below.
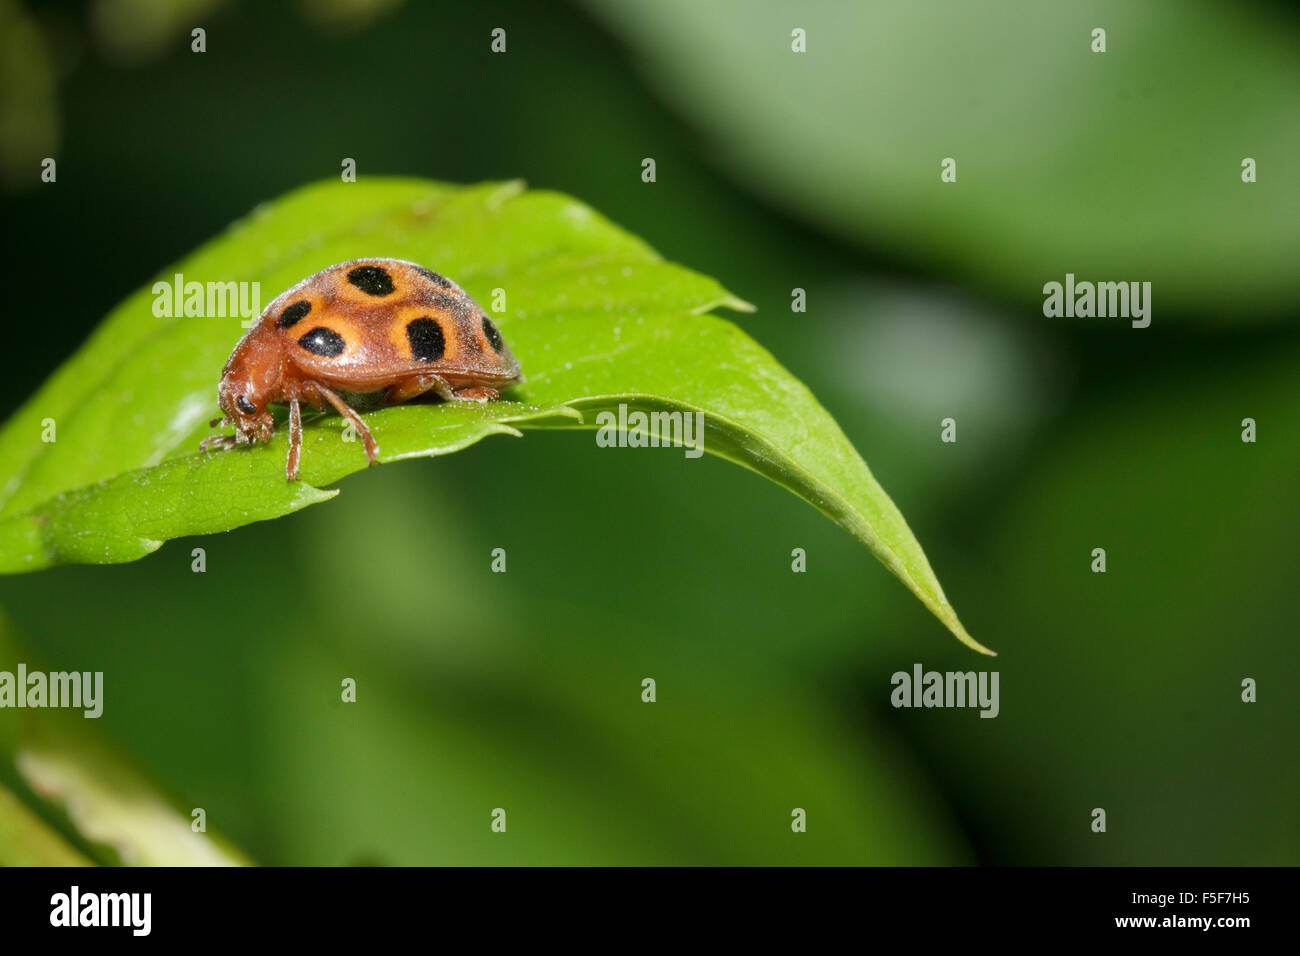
(111, 804)
(1123, 165)
(29, 122)
(106, 801)
(587, 773)
(26, 840)
(597, 318)
(1142, 666)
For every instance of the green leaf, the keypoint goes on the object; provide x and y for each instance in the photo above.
(595, 316)
(1067, 160)
(131, 514)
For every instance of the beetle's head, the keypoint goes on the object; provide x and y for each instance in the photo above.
(247, 384)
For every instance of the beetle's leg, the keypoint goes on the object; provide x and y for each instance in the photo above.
(224, 442)
(295, 441)
(409, 388)
(476, 393)
(340, 406)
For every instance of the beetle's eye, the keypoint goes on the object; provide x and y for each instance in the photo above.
(245, 406)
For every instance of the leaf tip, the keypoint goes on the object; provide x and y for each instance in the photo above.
(960, 633)
(307, 494)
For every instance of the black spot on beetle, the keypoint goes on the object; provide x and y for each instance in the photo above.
(371, 280)
(426, 338)
(493, 335)
(294, 314)
(433, 277)
(245, 406)
(323, 342)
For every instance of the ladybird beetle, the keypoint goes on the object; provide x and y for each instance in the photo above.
(384, 328)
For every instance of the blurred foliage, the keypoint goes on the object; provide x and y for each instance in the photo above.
(134, 31)
(29, 127)
(110, 805)
(1199, 529)
(1116, 165)
(26, 840)
(479, 691)
(90, 791)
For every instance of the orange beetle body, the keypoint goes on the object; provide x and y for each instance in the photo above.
(382, 327)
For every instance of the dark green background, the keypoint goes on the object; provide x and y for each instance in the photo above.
(522, 690)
